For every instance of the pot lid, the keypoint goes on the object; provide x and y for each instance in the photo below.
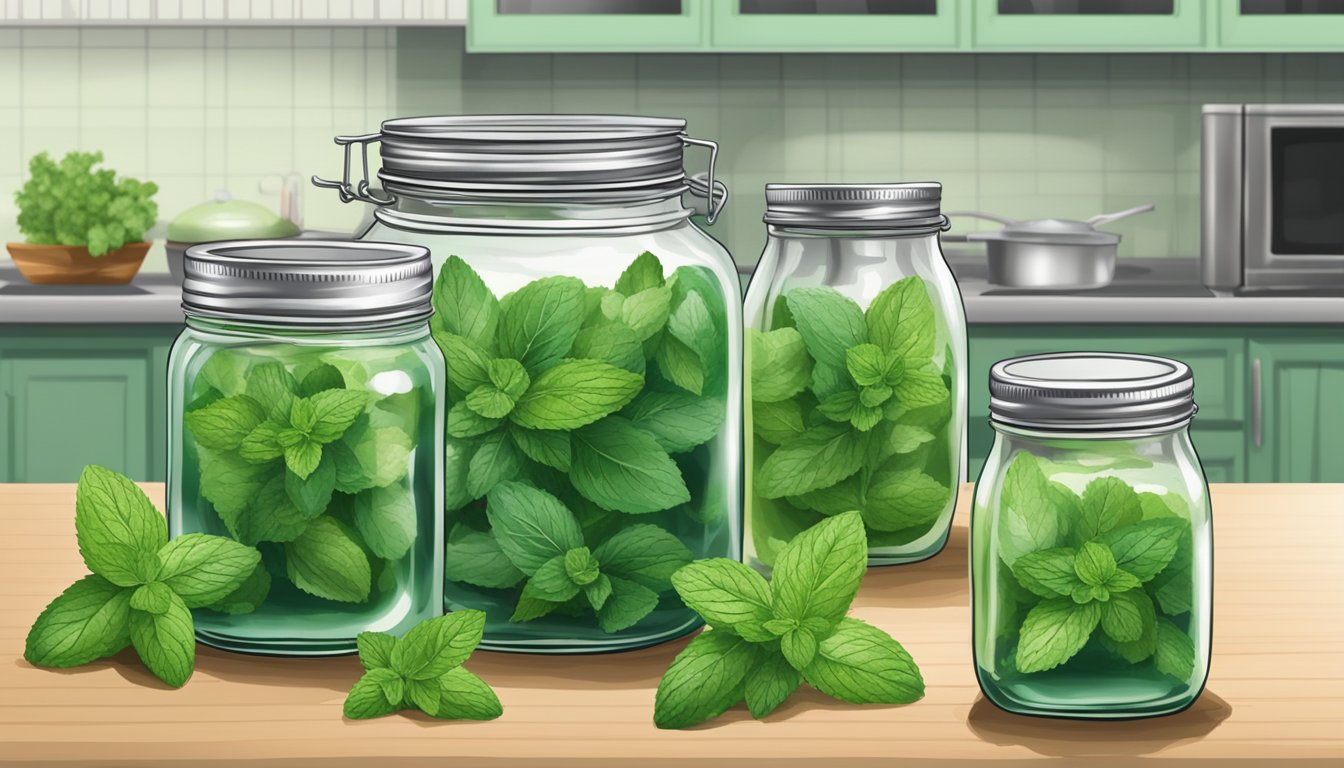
(227, 219)
(1049, 232)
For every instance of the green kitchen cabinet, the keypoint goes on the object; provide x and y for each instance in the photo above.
(77, 395)
(888, 25)
(1297, 408)
(587, 26)
(1278, 25)
(1123, 25)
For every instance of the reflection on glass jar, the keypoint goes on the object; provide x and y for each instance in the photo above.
(1092, 540)
(305, 420)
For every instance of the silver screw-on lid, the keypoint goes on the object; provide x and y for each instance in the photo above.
(308, 283)
(1091, 391)
(913, 205)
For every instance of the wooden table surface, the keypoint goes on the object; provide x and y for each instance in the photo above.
(1276, 691)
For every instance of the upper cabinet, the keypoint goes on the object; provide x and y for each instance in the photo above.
(630, 26)
(233, 13)
(1281, 25)
(1086, 25)
(834, 25)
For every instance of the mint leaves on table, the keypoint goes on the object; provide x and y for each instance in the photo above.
(304, 454)
(1111, 565)
(142, 586)
(423, 670)
(767, 639)
(850, 411)
(577, 428)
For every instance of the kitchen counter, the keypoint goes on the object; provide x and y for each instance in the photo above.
(1273, 695)
(149, 298)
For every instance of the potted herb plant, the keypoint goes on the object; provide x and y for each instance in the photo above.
(82, 225)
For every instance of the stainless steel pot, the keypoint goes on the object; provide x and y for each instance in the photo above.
(1051, 254)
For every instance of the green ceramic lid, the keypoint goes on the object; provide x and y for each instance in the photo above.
(225, 219)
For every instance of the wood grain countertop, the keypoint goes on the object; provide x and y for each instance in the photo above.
(1275, 694)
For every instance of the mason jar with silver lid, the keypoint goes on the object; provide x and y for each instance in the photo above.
(305, 401)
(592, 333)
(856, 349)
(1091, 539)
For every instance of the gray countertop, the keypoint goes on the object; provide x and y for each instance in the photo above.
(1145, 291)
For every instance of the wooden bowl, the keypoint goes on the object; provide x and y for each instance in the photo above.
(72, 265)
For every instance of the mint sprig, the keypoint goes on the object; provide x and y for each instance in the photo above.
(423, 670)
(142, 586)
(769, 638)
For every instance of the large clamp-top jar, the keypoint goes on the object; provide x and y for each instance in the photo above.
(856, 349)
(305, 399)
(1092, 539)
(592, 338)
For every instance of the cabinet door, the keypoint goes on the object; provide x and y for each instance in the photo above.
(585, 26)
(834, 25)
(1297, 415)
(1280, 25)
(1089, 25)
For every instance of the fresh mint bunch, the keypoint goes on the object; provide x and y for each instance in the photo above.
(69, 203)
(767, 639)
(142, 588)
(304, 458)
(579, 408)
(423, 671)
(1112, 565)
(848, 412)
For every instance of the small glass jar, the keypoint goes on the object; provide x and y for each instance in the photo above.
(1091, 539)
(305, 418)
(592, 334)
(856, 349)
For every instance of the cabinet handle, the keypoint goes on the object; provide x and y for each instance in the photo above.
(1257, 412)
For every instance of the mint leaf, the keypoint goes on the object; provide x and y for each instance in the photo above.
(1122, 581)
(899, 439)
(320, 379)
(435, 646)
(861, 664)
(166, 641)
(677, 421)
(1108, 503)
(530, 525)
(829, 322)
(1122, 617)
(152, 597)
(464, 422)
(1138, 650)
(820, 457)
(495, 460)
(465, 363)
(1048, 573)
(780, 367)
(489, 402)
(799, 647)
(598, 591)
(539, 322)
(1054, 632)
(921, 387)
(118, 529)
(575, 393)
(727, 594)
(368, 698)
(1029, 520)
(273, 386)
(464, 696)
(223, 424)
(89, 620)
(1175, 652)
(817, 574)
(623, 469)
(645, 272)
(263, 443)
(901, 320)
(552, 582)
(681, 365)
(335, 410)
(904, 499)
(645, 554)
(311, 495)
(1146, 547)
(581, 567)
(777, 423)
(375, 649)
(846, 495)
(385, 518)
(691, 324)
(769, 683)
(203, 569)
(628, 604)
(473, 557)
(869, 366)
(647, 312)
(230, 482)
(270, 516)
(370, 457)
(325, 562)
(703, 681)
(1094, 565)
(464, 305)
(225, 371)
(249, 595)
(544, 446)
(612, 343)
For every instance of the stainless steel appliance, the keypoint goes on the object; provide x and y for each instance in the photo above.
(1273, 196)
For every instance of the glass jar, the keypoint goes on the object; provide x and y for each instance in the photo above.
(1091, 539)
(305, 404)
(592, 335)
(856, 344)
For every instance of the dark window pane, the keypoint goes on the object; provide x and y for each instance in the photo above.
(836, 7)
(1099, 7)
(1251, 7)
(1308, 190)
(665, 7)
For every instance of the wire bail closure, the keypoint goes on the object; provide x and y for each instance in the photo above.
(362, 191)
(704, 184)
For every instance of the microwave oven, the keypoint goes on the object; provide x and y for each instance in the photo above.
(1272, 196)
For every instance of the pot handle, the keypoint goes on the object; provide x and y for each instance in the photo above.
(361, 190)
(1107, 218)
(1004, 220)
